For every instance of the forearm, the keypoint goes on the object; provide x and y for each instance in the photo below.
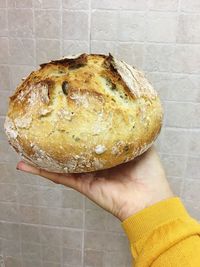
(164, 235)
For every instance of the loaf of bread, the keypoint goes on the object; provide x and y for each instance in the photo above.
(83, 113)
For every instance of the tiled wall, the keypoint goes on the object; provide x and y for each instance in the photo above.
(43, 224)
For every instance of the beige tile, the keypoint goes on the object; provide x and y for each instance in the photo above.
(31, 263)
(192, 169)
(190, 6)
(51, 253)
(21, 51)
(72, 218)
(50, 264)
(49, 197)
(76, 4)
(104, 25)
(117, 259)
(17, 73)
(72, 256)
(184, 88)
(75, 47)
(47, 50)
(72, 238)
(106, 241)
(179, 114)
(104, 4)
(54, 4)
(175, 184)
(139, 5)
(186, 59)
(72, 199)
(75, 25)
(131, 26)
(3, 3)
(191, 190)
(9, 212)
(194, 144)
(7, 153)
(9, 174)
(31, 252)
(50, 236)
(120, 4)
(131, 53)
(9, 231)
(47, 23)
(95, 219)
(30, 233)
(157, 143)
(28, 194)
(161, 82)
(8, 192)
(4, 50)
(23, 22)
(19, 3)
(104, 47)
(158, 57)
(193, 208)
(165, 5)
(113, 224)
(174, 141)
(2, 131)
(93, 258)
(174, 165)
(29, 214)
(24, 178)
(50, 216)
(13, 262)
(195, 116)
(101, 220)
(4, 96)
(45, 182)
(5, 77)
(91, 205)
(11, 248)
(156, 22)
(188, 29)
(3, 23)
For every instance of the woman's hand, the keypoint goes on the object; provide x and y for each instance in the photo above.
(122, 190)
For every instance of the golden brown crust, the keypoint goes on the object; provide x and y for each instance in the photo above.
(83, 114)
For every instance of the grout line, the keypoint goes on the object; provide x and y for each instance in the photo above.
(89, 26)
(34, 36)
(83, 232)
(116, 233)
(17, 195)
(110, 41)
(112, 10)
(179, 7)
(61, 31)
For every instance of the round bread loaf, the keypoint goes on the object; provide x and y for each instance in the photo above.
(83, 113)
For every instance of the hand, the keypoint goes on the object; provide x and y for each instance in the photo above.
(122, 190)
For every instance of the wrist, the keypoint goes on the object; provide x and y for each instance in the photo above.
(129, 209)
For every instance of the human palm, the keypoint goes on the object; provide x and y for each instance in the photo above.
(122, 190)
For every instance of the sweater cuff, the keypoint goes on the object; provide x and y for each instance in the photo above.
(145, 221)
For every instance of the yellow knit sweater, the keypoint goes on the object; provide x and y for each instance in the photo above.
(164, 235)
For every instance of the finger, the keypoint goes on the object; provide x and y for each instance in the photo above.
(69, 180)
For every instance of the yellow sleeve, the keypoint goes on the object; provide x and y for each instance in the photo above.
(164, 235)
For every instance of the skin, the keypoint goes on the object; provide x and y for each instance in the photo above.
(122, 190)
